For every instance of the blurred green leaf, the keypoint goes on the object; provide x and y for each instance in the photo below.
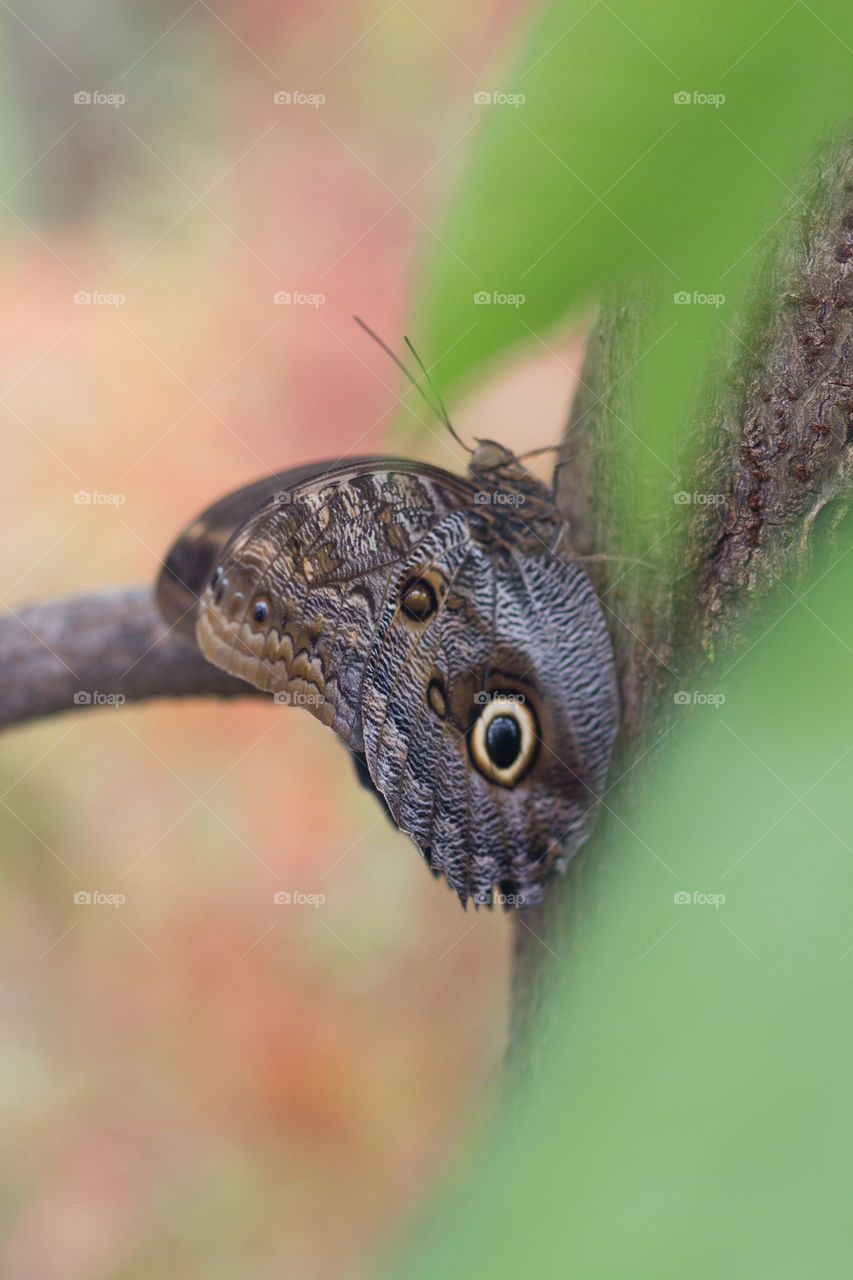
(602, 179)
(695, 1117)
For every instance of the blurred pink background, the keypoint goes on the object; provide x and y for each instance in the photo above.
(200, 1082)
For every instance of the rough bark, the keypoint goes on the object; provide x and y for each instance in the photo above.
(773, 434)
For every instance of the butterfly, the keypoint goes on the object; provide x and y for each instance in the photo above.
(441, 627)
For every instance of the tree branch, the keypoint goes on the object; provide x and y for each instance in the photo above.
(774, 439)
(87, 651)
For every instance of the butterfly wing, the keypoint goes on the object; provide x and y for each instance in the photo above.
(291, 602)
(516, 653)
(190, 561)
(372, 594)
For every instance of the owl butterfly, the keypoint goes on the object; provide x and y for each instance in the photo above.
(439, 625)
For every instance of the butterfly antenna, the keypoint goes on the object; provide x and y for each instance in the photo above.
(445, 416)
(437, 408)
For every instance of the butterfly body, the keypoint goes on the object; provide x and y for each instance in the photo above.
(440, 627)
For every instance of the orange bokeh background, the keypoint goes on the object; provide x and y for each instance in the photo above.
(200, 1082)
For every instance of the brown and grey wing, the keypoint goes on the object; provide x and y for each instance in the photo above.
(488, 724)
(292, 602)
(190, 561)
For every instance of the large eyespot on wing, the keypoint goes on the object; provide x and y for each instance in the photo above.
(292, 602)
(489, 730)
(504, 738)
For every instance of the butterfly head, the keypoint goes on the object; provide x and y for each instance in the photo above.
(493, 466)
(489, 458)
